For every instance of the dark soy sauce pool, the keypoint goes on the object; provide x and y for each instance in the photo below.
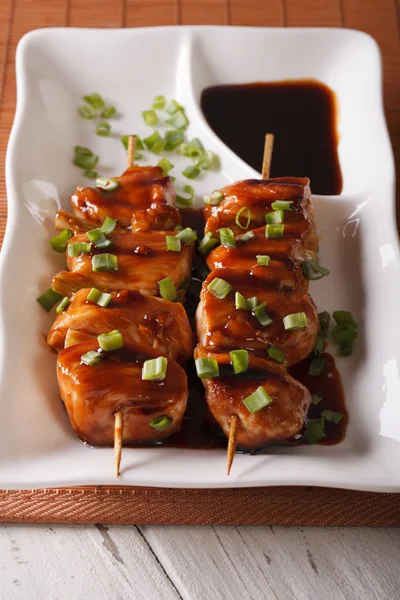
(302, 115)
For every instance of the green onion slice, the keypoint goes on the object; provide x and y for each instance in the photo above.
(154, 142)
(84, 158)
(261, 314)
(274, 231)
(98, 239)
(108, 225)
(247, 216)
(318, 347)
(245, 303)
(213, 199)
(263, 260)
(332, 416)
(63, 305)
(109, 112)
(59, 242)
(187, 236)
(91, 358)
(276, 216)
(317, 366)
(295, 321)
(282, 205)
(227, 238)
(346, 348)
(173, 243)
(314, 432)
(219, 288)
(173, 107)
(191, 172)
(104, 263)
(324, 321)
(208, 243)
(160, 423)
(159, 103)
(100, 298)
(246, 237)
(191, 150)
(110, 341)
(103, 129)
(78, 248)
(239, 360)
(138, 142)
(344, 317)
(275, 354)
(108, 184)
(90, 174)
(206, 160)
(155, 369)
(315, 399)
(312, 271)
(207, 367)
(185, 201)
(94, 100)
(167, 289)
(173, 139)
(178, 120)
(166, 165)
(150, 117)
(87, 112)
(49, 299)
(258, 400)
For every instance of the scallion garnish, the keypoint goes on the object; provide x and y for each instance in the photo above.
(187, 236)
(150, 117)
(159, 103)
(275, 354)
(318, 347)
(173, 107)
(314, 432)
(108, 184)
(138, 142)
(317, 366)
(208, 243)
(274, 217)
(90, 174)
(227, 238)
(213, 199)
(324, 321)
(206, 160)
(219, 288)
(155, 369)
(166, 165)
(91, 358)
(239, 360)
(173, 139)
(167, 289)
(315, 399)
(78, 248)
(59, 242)
(108, 225)
(104, 263)
(274, 231)
(246, 210)
(191, 172)
(260, 313)
(100, 298)
(160, 423)
(63, 305)
(192, 150)
(109, 112)
(185, 201)
(207, 367)
(344, 317)
(94, 100)
(246, 237)
(178, 120)
(103, 129)
(312, 271)
(295, 321)
(155, 143)
(173, 243)
(345, 333)
(245, 303)
(98, 239)
(87, 112)
(110, 341)
(84, 158)
(282, 205)
(257, 400)
(332, 416)
(263, 260)
(49, 299)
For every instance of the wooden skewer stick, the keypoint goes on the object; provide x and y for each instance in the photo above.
(233, 433)
(118, 432)
(266, 164)
(131, 150)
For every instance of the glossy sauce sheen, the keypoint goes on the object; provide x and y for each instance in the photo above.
(301, 114)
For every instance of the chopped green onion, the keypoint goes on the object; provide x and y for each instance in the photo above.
(87, 112)
(78, 248)
(295, 321)
(244, 303)
(59, 242)
(108, 184)
(257, 400)
(263, 260)
(248, 217)
(179, 228)
(166, 165)
(155, 143)
(100, 298)
(104, 263)
(98, 239)
(90, 174)
(110, 341)
(282, 205)
(261, 315)
(138, 142)
(312, 271)
(252, 302)
(317, 366)
(239, 360)
(191, 172)
(344, 317)
(103, 129)
(155, 369)
(84, 158)
(108, 225)
(346, 348)
(159, 103)
(94, 100)
(160, 423)
(150, 117)
(314, 432)
(246, 237)
(178, 120)
(315, 399)
(109, 112)
(173, 139)
(274, 231)
(208, 243)
(227, 238)
(318, 347)
(276, 216)
(187, 236)
(219, 288)
(332, 416)
(207, 367)
(49, 299)
(324, 321)
(185, 201)
(91, 358)
(63, 304)
(213, 199)
(190, 150)
(206, 160)
(173, 243)
(344, 333)
(173, 107)
(167, 289)
(275, 354)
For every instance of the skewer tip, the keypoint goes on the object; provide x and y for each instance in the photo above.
(233, 432)
(131, 150)
(118, 431)
(267, 158)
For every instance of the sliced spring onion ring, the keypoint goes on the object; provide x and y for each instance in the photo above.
(332, 416)
(275, 354)
(260, 313)
(103, 129)
(91, 358)
(173, 139)
(104, 263)
(314, 432)
(245, 303)
(312, 271)
(49, 299)
(94, 100)
(178, 120)
(227, 238)
(100, 298)
(282, 205)
(110, 341)
(295, 321)
(191, 150)
(274, 231)
(154, 142)
(108, 184)
(90, 174)
(246, 237)
(63, 305)
(324, 321)
(275, 217)
(173, 107)
(109, 112)
(318, 347)
(84, 158)
(239, 360)
(167, 289)
(78, 248)
(155, 369)
(213, 199)
(315, 399)
(59, 242)
(159, 103)
(344, 317)
(257, 400)
(247, 217)
(173, 243)
(150, 117)
(219, 288)
(108, 225)
(317, 366)
(207, 367)
(187, 236)
(87, 112)
(206, 160)
(208, 243)
(98, 239)
(263, 260)
(185, 201)
(166, 165)
(160, 423)
(191, 172)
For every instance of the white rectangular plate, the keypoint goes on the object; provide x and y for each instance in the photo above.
(359, 242)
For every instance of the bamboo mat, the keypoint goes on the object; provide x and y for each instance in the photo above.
(286, 506)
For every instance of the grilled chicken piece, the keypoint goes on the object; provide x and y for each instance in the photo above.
(281, 420)
(258, 195)
(150, 321)
(92, 395)
(286, 253)
(144, 199)
(221, 326)
(143, 260)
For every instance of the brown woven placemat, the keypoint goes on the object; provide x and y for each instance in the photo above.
(250, 506)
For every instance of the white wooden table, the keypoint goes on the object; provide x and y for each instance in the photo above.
(91, 562)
